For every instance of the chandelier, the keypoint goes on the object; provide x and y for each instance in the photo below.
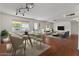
(23, 10)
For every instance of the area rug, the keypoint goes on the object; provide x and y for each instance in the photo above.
(50, 36)
(36, 50)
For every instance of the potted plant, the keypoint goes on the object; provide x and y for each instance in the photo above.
(4, 35)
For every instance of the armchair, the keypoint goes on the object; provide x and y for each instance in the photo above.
(66, 34)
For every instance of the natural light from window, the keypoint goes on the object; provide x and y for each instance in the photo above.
(20, 26)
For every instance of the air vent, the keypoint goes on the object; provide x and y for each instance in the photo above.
(72, 14)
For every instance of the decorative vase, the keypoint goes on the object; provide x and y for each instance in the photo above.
(4, 39)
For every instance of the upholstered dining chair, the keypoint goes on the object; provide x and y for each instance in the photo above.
(26, 37)
(38, 38)
(17, 44)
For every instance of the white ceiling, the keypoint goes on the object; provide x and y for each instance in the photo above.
(43, 11)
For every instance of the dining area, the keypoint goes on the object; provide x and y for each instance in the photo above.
(26, 44)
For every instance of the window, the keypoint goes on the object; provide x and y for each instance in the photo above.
(20, 26)
(25, 27)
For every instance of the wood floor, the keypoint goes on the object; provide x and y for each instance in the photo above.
(63, 47)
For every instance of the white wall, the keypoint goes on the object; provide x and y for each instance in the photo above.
(74, 27)
(0, 21)
(0, 25)
(6, 22)
(66, 24)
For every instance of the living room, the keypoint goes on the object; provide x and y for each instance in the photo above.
(54, 27)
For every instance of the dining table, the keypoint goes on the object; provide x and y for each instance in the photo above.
(27, 37)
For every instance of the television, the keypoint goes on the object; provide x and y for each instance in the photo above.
(60, 27)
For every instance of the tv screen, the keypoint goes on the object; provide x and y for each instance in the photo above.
(60, 27)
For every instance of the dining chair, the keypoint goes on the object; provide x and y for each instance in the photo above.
(17, 44)
(38, 38)
(26, 37)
